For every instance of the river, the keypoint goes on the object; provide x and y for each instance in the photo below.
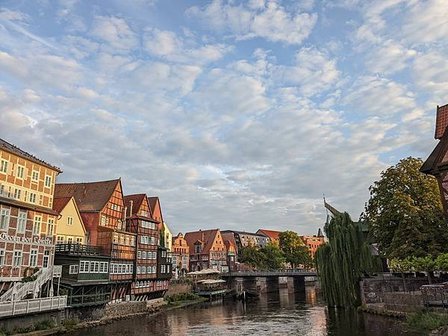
(279, 313)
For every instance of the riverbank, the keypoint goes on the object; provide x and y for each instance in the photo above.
(69, 325)
(425, 322)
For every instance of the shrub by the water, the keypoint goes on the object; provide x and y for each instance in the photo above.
(424, 321)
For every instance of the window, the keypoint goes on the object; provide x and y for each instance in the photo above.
(50, 227)
(32, 198)
(70, 240)
(37, 224)
(69, 220)
(103, 220)
(60, 240)
(3, 166)
(47, 181)
(92, 267)
(97, 266)
(162, 268)
(17, 258)
(144, 255)
(139, 254)
(4, 218)
(143, 269)
(84, 267)
(2, 257)
(78, 240)
(105, 267)
(20, 171)
(17, 193)
(139, 269)
(73, 269)
(35, 176)
(33, 258)
(46, 261)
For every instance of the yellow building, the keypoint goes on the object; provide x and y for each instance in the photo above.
(70, 227)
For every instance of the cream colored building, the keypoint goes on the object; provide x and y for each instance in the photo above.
(70, 227)
(168, 237)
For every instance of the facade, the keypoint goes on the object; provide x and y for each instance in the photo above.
(140, 222)
(244, 239)
(274, 236)
(180, 256)
(85, 274)
(437, 162)
(166, 236)
(207, 250)
(27, 218)
(70, 227)
(101, 206)
(313, 242)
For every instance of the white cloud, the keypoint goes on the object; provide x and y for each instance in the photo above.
(116, 32)
(266, 20)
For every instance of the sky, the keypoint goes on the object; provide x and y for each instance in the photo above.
(239, 115)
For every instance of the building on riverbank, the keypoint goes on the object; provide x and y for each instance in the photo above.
(139, 220)
(313, 242)
(27, 219)
(70, 227)
(180, 256)
(101, 206)
(207, 250)
(245, 239)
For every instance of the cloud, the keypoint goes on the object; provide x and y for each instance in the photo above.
(116, 32)
(265, 20)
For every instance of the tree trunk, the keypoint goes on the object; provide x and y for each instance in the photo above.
(430, 276)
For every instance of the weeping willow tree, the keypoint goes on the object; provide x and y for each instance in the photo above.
(342, 261)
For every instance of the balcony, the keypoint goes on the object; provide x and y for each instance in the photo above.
(78, 249)
(22, 307)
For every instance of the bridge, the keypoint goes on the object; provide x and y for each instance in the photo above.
(256, 282)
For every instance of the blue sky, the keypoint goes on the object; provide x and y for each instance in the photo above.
(237, 114)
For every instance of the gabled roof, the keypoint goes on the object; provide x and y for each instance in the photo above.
(89, 196)
(137, 200)
(244, 233)
(6, 146)
(207, 237)
(59, 203)
(273, 235)
(435, 160)
(441, 121)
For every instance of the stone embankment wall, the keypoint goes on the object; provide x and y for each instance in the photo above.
(179, 288)
(403, 302)
(374, 289)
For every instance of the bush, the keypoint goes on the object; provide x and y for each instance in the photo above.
(181, 297)
(426, 321)
(44, 325)
(69, 324)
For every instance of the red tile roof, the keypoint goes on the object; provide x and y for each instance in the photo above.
(441, 121)
(90, 196)
(59, 203)
(273, 235)
(207, 237)
(137, 200)
(6, 146)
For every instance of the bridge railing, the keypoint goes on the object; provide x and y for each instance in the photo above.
(282, 272)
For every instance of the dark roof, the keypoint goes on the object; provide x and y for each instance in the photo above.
(207, 237)
(89, 196)
(59, 203)
(441, 121)
(244, 233)
(6, 146)
(333, 210)
(137, 200)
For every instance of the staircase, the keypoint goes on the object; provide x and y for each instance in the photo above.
(21, 289)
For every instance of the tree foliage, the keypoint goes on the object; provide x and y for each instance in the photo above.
(342, 261)
(293, 248)
(405, 213)
(269, 257)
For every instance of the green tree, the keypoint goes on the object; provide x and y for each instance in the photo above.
(442, 262)
(401, 266)
(294, 249)
(269, 257)
(273, 257)
(342, 261)
(404, 212)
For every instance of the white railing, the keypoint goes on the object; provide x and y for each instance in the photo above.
(21, 289)
(21, 307)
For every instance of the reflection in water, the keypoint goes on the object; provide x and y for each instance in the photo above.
(279, 313)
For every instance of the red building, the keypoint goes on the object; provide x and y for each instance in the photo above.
(102, 209)
(146, 285)
(207, 250)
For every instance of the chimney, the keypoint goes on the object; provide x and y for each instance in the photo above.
(441, 121)
(131, 204)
